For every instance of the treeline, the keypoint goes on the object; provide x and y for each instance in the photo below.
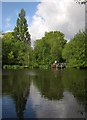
(49, 48)
(53, 47)
(17, 50)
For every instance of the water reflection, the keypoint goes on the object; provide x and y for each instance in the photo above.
(86, 97)
(37, 93)
(0, 93)
(18, 86)
(50, 85)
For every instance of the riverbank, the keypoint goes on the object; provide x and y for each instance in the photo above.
(25, 67)
(15, 67)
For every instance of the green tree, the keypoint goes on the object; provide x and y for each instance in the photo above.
(6, 47)
(41, 52)
(75, 51)
(21, 29)
(14, 52)
(16, 44)
(49, 48)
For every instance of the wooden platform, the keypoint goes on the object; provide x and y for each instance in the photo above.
(58, 65)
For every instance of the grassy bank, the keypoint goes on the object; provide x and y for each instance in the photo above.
(25, 67)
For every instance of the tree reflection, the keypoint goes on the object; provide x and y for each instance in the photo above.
(86, 97)
(18, 86)
(50, 85)
(75, 81)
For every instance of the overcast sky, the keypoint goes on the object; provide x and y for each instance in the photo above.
(49, 15)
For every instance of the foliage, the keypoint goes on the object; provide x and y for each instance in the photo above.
(49, 48)
(21, 29)
(14, 52)
(16, 45)
(75, 51)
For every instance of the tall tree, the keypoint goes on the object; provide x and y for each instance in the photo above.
(21, 29)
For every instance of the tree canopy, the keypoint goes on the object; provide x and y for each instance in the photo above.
(21, 29)
(49, 48)
(14, 51)
(75, 51)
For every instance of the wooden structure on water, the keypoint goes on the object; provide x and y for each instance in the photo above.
(58, 65)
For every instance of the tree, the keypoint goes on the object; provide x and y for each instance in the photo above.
(14, 52)
(75, 52)
(6, 47)
(56, 41)
(21, 29)
(41, 52)
(49, 48)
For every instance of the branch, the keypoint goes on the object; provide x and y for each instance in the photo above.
(81, 1)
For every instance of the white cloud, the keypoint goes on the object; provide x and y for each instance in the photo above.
(7, 20)
(45, 108)
(28, 19)
(62, 15)
(8, 31)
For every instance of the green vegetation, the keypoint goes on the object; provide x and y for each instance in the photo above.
(21, 29)
(14, 52)
(18, 53)
(75, 51)
(16, 44)
(49, 48)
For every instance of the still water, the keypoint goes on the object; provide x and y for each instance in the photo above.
(44, 93)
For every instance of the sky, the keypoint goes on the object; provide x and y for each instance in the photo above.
(44, 16)
(10, 12)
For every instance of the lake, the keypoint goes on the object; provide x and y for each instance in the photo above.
(44, 93)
